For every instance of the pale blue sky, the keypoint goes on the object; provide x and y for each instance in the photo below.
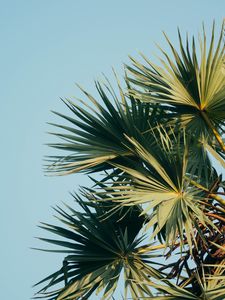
(47, 46)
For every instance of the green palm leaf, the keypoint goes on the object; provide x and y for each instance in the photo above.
(98, 249)
(194, 88)
(96, 135)
(162, 185)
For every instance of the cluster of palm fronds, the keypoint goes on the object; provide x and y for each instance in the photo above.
(155, 220)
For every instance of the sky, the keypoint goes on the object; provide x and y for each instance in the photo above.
(46, 47)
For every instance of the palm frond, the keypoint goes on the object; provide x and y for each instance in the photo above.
(162, 186)
(96, 135)
(194, 88)
(98, 249)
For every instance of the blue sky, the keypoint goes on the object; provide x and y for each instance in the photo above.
(46, 47)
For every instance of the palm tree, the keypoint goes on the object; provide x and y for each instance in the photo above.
(155, 219)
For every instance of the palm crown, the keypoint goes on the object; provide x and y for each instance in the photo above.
(160, 197)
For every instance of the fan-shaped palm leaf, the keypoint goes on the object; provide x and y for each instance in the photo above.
(97, 132)
(161, 183)
(194, 89)
(98, 250)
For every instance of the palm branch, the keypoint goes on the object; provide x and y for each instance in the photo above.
(98, 249)
(193, 87)
(175, 203)
(97, 132)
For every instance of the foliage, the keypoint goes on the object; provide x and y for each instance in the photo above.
(156, 217)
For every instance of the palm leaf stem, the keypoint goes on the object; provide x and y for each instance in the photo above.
(210, 194)
(215, 132)
(213, 206)
(217, 198)
(220, 193)
(216, 217)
